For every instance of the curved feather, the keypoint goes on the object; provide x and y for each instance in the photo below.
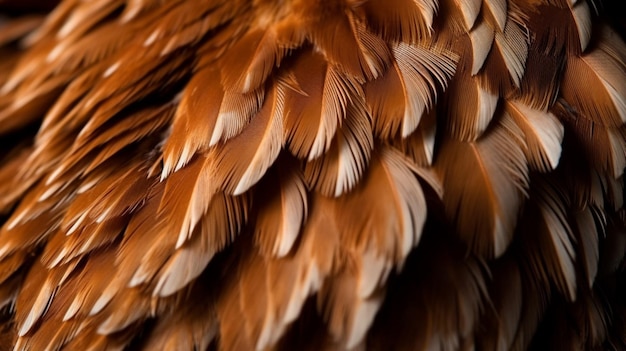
(347, 44)
(409, 88)
(543, 134)
(250, 61)
(407, 21)
(257, 148)
(485, 199)
(596, 74)
(315, 105)
(218, 227)
(341, 167)
(283, 211)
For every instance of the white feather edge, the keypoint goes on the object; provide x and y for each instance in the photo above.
(513, 45)
(334, 102)
(547, 129)
(268, 150)
(294, 206)
(481, 37)
(582, 18)
(470, 10)
(422, 71)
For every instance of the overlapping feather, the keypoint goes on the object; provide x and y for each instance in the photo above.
(189, 174)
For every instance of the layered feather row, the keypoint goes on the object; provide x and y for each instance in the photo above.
(338, 174)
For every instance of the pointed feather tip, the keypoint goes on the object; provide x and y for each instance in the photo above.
(111, 69)
(101, 303)
(362, 321)
(73, 309)
(58, 258)
(140, 277)
(152, 38)
(183, 236)
(38, 309)
(6, 248)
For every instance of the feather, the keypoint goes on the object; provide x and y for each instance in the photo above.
(340, 169)
(316, 106)
(409, 88)
(258, 147)
(597, 74)
(587, 235)
(189, 327)
(112, 140)
(552, 247)
(248, 63)
(358, 54)
(12, 185)
(448, 289)
(469, 10)
(186, 198)
(485, 199)
(419, 147)
(540, 84)
(512, 46)
(283, 212)
(582, 18)
(18, 28)
(102, 212)
(605, 147)
(543, 134)
(390, 231)
(32, 306)
(205, 116)
(508, 301)
(497, 10)
(469, 107)
(400, 20)
(218, 227)
(349, 315)
(482, 39)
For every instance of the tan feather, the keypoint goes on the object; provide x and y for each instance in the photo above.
(512, 46)
(389, 231)
(482, 37)
(419, 147)
(258, 147)
(284, 209)
(186, 198)
(316, 106)
(596, 74)
(250, 61)
(340, 169)
(218, 227)
(497, 11)
(543, 134)
(587, 223)
(470, 107)
(551, 247)
(400, 20)
(358, 53)
(469, 10)
(409, 88)
(223, 115)
(486, 198)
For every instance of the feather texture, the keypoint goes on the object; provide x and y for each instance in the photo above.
(312, 175)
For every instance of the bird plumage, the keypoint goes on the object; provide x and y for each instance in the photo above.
(337, 174)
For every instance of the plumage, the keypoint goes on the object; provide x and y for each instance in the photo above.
(323, 175)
